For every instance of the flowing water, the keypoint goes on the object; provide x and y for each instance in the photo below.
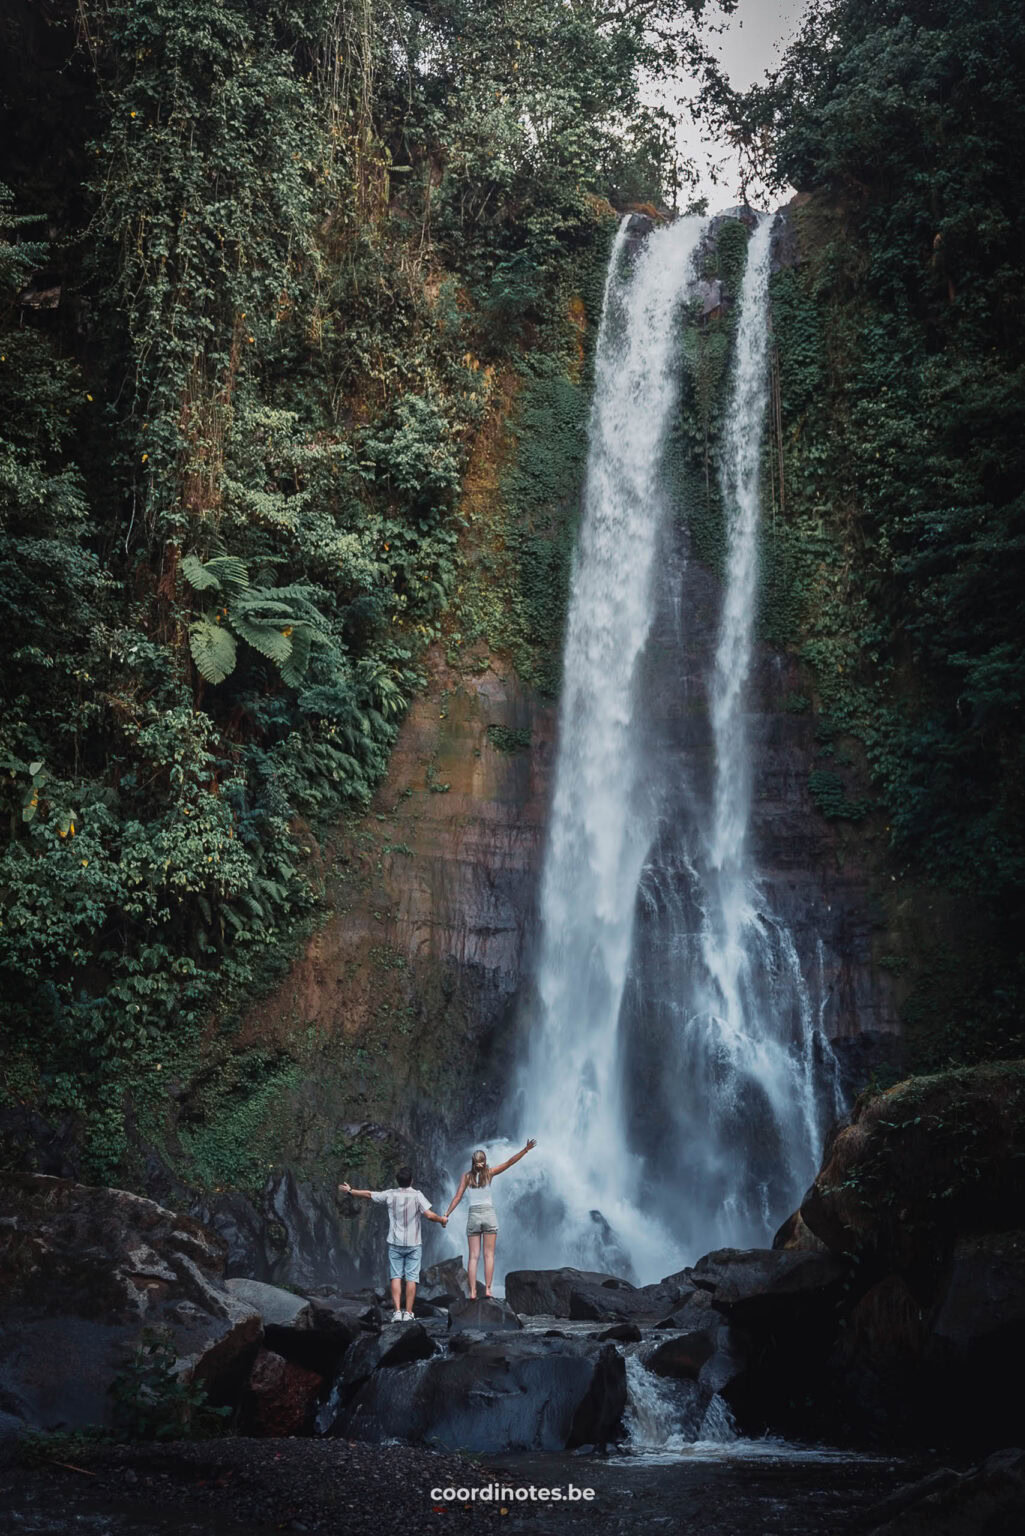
(676, 1074)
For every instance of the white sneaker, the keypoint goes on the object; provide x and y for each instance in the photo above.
(407, 1317)
(397, 1317)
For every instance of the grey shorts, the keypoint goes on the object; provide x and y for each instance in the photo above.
(481, 1218)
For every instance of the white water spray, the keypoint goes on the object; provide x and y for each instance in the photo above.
(601, 820)
(713, 1018)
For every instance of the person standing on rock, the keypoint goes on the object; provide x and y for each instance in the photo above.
(405, 1243)
(481, 1218)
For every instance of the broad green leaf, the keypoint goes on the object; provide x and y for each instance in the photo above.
(213, 650)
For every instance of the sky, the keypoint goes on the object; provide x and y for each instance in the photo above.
(753, 43)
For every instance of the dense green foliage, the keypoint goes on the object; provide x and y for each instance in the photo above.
(262, 263)
(900, 561)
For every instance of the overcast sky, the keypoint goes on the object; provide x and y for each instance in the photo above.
(753, 42)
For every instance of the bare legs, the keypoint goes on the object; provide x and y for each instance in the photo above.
(474, 1241)
(396, 1294)
(489, 1261)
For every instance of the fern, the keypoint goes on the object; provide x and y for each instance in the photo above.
(294, 669)
(199, 578)
(213, 649)
(266, 638)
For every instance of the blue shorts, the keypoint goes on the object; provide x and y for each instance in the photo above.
(403, 1262)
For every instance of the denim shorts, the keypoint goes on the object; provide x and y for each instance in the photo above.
(481, 1218)
(403, 1262)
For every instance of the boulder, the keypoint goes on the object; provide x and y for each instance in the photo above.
(444, 1281)
(989, 1501)
(683, 1354)
(622, 1333)
(83, 1272)
(611, 1304)
(429, 1310)
(753, 1285)
(546, 1292)
(794, 1234)
(488, 1314)
(928, 1161)
(691, 1313)
(510, 1392)
(396, 1345)
(279, 1397)
(979, 1321)
(344, 1314)
(277, 1308)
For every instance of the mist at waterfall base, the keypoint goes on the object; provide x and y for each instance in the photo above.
(675, 1076)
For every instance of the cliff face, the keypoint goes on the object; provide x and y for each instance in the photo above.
(409, 996)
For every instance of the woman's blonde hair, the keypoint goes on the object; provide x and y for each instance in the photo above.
(479, 1173)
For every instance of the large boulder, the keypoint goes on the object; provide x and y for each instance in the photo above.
(548, 1292)
(487, 1314)
(990, 1501)
(397, 1345)
(279, 1396)
(755, 1284)
(83, 1272)
(277, 1308)
(922, 1164)
(444, 1281)
(295, 1237)
(508, 1392)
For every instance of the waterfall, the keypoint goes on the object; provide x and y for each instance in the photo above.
(674, 1070)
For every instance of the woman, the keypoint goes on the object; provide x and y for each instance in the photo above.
(481, 1220)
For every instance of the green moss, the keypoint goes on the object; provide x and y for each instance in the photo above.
(508, 739)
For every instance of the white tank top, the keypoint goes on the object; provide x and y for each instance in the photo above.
(479, 1196)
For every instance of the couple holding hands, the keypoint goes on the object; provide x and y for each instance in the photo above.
(406, 1205)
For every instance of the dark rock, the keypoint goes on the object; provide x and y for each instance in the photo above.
(794, 1235)
(610, 1304)
(313, 1249)
(909, 1146)
(277, 1308)
(487, 1314)
(279, 1397)
(987, 1502)
(546, 1292)
(348, 1314)
(911, 1493)
(443, 1281)
(83, 1270)
(684, 1354)
(428, 1309)
(693, 1313)
(979, 1323)
(516, 1391)
(240, 1227)
(624, 1333)
(756, 1284)
(396, 1345)
(31, 1144)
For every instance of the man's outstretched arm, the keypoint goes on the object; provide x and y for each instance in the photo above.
(361, 1194)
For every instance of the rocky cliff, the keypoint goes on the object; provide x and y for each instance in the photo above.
(402, 1012)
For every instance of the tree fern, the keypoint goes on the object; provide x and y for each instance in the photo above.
(213, 649)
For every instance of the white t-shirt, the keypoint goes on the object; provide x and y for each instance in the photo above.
(404, 1207)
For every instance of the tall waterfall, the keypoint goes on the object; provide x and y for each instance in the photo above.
(675, 1093)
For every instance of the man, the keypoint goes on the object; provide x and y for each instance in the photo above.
(405, 1207)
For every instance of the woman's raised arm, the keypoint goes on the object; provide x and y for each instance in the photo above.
(460, 1192)
(515, 1157)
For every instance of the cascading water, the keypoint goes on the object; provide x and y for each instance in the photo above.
(601, 819)
(676, 1074)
